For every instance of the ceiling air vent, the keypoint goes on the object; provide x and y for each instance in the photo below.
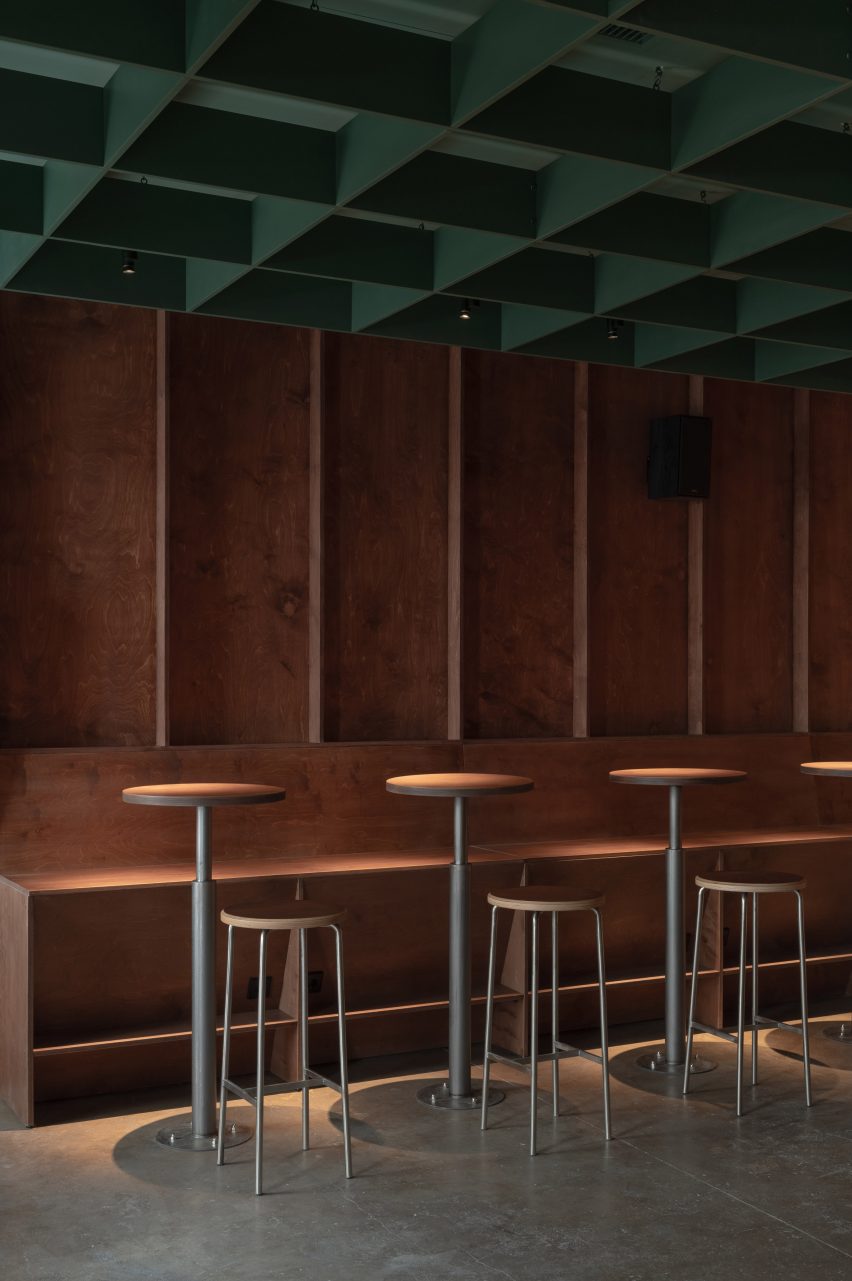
(629, 35)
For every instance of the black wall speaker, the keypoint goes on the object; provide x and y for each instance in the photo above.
(679, 458)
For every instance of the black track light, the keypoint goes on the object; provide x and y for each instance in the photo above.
(464, 313)
(128, 262)
(612, 328)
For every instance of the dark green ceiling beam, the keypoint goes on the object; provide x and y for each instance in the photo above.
(653, 344)
(285, 300)
(453, 190)
(43, 116)
(361, 250)
(831, 327)
(537, 278)
(702, 303)
(322, 57)
(749, 221)
(224, 149)
(621, 281)
(151, 32)
(92, 272)
(21, 206)
(519, 326)
(822, 257)
(504, 47)
(789, 159)
(585, 341)
(574, 188)
(570, 111)
(736, 98)
(766, 302)
(163, 220)
(731, 359)
(775, 360)
(371, 304)
(647, 226)
(437, 319)
(814, 36)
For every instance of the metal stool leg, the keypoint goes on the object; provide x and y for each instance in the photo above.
(741, 1000)
(693, 987)
(554, 1008)
(341, 1036)
(754, 997)
(489, 1019)
(803, 986)
(604, 1030)
(534, 1036)
(261, 1022)
(303, 1035)
(226, 1049)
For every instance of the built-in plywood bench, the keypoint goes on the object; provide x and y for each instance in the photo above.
(94, 905)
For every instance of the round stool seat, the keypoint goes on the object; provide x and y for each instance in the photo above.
(752, 883)
(546, 898)
(299, 914)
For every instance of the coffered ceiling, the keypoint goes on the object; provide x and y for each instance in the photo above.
(681, 168)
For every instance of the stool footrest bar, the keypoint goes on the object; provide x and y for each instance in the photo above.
(717, 1031)
(785, 1027)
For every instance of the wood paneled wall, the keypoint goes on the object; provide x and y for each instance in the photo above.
(221, 532)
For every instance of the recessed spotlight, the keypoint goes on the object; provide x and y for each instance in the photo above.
(128, 262)
(464, 313)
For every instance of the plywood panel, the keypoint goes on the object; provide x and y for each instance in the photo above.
(518, 488)
(748, 550)
(77, 504)
(830, 630)
(385, 603)
(16, 1001)
(64, 809)
(637, 561)
(239, 444)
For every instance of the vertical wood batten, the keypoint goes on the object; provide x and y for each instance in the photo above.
(695, 589)
(581, 550)
(455, 499)
(801, 557)
(161, 604)
(315, 542)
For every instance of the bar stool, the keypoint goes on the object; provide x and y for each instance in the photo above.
(754, 884)
(302, 916)
(553, 899)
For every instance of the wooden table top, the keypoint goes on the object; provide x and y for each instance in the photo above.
(458, 784)
(676, 776)
(202, 794)
(831, 769)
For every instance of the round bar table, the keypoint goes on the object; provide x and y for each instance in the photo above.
(456, 1092)
(832, 769)
(200, 1134)
(670, 1057)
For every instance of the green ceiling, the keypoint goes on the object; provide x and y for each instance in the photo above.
(366, 165)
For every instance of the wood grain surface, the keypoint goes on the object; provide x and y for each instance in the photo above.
(748, 547)
(77, 513)
(385, 539)
(830, 573)
(637, 561)
(239, 442)
(518, 490)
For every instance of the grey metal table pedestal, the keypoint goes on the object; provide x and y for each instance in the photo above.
(199, 1134)
(457, 1091)
(670, 1057)
(841, 1032)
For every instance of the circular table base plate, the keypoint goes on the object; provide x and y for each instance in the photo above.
(839, 1032)
(657, 1062)
(182, 1137)
(437, 1095)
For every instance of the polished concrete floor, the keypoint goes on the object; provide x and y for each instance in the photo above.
(684, 1189)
